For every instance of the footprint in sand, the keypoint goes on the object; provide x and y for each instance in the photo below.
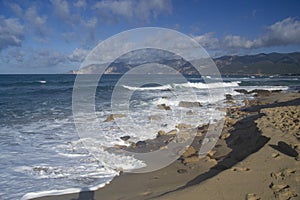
(240, 169)
(282, 191)
(252, 196)
(283, 174)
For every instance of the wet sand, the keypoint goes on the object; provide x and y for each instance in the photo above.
(256, 157)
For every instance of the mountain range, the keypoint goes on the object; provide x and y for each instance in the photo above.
(259, 64)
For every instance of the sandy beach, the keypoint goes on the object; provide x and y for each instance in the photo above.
(256, 157)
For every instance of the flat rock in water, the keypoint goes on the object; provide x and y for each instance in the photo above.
(188, 104)
(164, 107)
(125, 138)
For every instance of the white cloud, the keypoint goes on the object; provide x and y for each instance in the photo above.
(236, 41)
(62, 11)
(78, 55)
(133, 9)
(16, 9)
(285, 32)
(38, 23)
(208, 41)
(80, 4)
(11, 33)
(282, 33)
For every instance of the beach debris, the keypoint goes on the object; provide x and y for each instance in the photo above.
(189, 104)
(112, 117)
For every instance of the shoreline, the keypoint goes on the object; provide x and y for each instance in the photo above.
(188, 172)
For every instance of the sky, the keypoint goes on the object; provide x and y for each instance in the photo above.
(55, 36)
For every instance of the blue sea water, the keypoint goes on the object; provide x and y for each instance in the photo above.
(41, 150)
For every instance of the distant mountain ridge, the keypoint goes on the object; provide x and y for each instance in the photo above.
(259, 64)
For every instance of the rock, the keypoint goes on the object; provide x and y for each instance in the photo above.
(228, 97)
(183, 126)
(261, 92)
(212, 160)
(125, 138)
(111, 117)
(120, 146)
(225, 136)
(140, 144)
(160, 133)
(172, 132)
(188, 104)
(242, 91)
(189, 152)
(155, 117)
(191, 159)
(190, 112)
(211, 154)
(164, 107)
(182, 171)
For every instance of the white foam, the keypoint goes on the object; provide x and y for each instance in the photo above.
(163, 87)
(33, 195)
(43, 82)
(209, 85)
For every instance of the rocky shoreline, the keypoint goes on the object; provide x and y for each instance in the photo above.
(265, 131)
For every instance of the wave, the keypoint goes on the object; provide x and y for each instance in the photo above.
(198, 85)
(209, 85)
(163, 87)
(33, 195)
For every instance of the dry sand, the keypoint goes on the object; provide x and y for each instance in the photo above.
(257, 157)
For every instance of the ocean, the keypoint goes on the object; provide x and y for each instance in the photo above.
(41, 150)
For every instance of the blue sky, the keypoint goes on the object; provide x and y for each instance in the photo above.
(54, 36)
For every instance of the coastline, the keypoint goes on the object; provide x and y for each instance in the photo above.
(233, 167)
